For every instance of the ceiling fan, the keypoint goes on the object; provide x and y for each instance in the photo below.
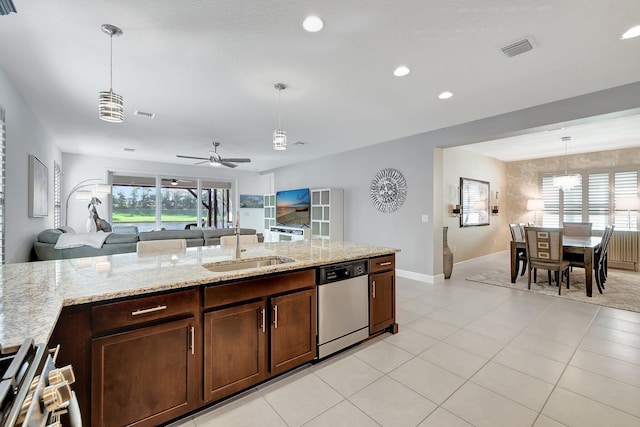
(214, 158)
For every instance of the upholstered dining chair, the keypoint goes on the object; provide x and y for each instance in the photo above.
(577, 229)
(544, 251)
(517, 235)
(157, 247)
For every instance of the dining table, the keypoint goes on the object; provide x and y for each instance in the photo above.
(584, 246)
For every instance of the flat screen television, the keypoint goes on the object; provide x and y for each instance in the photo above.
(293, 208)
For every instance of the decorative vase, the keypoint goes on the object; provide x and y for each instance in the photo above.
(447, 258)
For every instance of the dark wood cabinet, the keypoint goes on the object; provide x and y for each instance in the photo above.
(293, 330)
(256, 329)
(234, 349)
(145, 376)
(382, 294)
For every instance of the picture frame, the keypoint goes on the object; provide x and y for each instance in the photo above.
(474, 202)
(251, 201)
(38, 188)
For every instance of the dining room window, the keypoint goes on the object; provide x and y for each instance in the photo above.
(593, 200)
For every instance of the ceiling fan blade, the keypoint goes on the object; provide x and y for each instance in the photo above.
(202, 162)
(245, 160)
(191, 157)
(227, 164)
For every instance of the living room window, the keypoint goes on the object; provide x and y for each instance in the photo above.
(57, 195)
(152, 203)
(593, 200)
(2, 182)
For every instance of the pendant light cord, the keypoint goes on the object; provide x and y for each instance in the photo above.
(111, 63)
(279, 109)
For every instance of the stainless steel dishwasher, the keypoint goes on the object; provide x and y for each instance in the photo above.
(343, 306)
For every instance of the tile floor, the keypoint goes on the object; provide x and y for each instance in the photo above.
(467, 354)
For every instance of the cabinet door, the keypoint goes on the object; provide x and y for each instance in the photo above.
(234, 349)
(382, 304)
(145, 376)
(293, 330)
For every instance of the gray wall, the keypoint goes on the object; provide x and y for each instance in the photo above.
(24, 135)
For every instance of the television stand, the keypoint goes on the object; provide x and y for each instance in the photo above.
(285, 233)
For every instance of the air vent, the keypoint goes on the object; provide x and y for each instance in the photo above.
(143, 114)
(129, 149)
(517, 48)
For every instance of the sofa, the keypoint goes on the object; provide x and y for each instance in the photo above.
(123, 241)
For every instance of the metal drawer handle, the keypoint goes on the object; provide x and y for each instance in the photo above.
(148, 310)
(263, 312)
(374, 288)
(382, 264)
(275, 316)
(193, 340)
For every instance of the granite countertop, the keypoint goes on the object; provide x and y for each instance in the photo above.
(32, 294)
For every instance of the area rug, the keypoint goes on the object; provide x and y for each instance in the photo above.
(622, 289)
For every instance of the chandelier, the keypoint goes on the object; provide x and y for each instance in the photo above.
(279, 135)
(567, 181)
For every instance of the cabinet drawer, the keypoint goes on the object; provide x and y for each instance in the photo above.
(139, 310)
(219, 295)
(383, 263)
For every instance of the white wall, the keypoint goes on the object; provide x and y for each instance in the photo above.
(24, 135)
(77, 168)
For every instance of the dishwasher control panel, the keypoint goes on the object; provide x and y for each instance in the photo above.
(342, 271)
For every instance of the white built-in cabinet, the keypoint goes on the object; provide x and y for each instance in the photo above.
(327, 213)
(269, 215)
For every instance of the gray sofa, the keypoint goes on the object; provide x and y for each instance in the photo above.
(117, 243)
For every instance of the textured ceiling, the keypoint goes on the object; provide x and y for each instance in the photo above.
(207, 69)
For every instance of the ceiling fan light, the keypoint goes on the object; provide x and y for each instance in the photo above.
(110, 107)
(280, 139)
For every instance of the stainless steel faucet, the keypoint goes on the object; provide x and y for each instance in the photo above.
(238, 235)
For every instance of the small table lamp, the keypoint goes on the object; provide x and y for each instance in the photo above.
(535, 205)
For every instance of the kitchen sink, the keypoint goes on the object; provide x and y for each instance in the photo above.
(242, 264)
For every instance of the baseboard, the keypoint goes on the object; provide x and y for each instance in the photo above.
(427, 278)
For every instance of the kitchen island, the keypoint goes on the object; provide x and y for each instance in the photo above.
(76, 303)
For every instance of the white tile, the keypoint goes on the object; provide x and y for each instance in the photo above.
(606, 366)
(245, 412)
(491, 329)
(348, 375)
(344, 414)
(613, 323)
(406, 316)
(572, 409)
(630, 316)
(431, 381)
(531, 364)
(452, 318)
(614, 393)
(435, 329)
(615, 335)
(411, 341)
(611, 349)
(383, 356)
(443, 418)
(453, 359)
(418, 306)
(543, 421)
(392, 404)
(474, 343)
(560, 335)
(484, 408)
(187, 422)
(544, 347)
(524, 389)
(302, 400)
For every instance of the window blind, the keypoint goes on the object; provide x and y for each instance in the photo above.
(2, 183)
(625, 186)
(598, 200)
(551, 197)
(572, 203)
(57, 194)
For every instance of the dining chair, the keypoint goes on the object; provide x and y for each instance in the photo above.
(157, 247)
(599, 258)
(577, 229)
(517, 235)
(544, 251)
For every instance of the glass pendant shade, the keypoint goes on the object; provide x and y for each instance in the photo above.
(566, 182)
(110, 106)
(279, 139)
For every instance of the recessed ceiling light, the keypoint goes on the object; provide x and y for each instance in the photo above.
(401, 71)
(129, 149)
(445, 95)
(631, 33)
(313, 24)
(144, 114)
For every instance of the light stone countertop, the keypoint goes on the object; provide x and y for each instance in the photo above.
(33, 294)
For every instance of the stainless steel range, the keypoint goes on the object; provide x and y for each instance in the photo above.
(343, 306)
(33, 392)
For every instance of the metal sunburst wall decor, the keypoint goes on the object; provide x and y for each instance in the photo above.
(388, 190)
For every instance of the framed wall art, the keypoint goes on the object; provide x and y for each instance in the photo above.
(38, 188)
(474, 202)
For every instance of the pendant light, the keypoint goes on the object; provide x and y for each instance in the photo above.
(110, 104)
(280, 135)
(566, 182)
